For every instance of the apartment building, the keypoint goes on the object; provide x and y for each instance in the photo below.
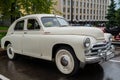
(83, 11)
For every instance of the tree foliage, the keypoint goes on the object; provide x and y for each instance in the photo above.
(111, 15)
(16, 8)
(7, 7)
(118, 17)
(36, 6)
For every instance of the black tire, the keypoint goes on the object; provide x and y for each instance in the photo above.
(65, 58)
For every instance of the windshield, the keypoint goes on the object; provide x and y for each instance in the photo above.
(54, 22)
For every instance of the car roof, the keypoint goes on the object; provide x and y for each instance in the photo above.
(40, 15)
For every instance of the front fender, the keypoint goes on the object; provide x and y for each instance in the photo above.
(76, 42)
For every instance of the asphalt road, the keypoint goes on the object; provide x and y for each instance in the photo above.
(26, 68)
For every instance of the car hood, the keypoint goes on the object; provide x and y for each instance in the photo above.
(85, 31)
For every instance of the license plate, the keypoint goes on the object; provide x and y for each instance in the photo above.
(110, 55)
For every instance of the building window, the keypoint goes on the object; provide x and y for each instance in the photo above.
(90, 17)
(84, 10)
(80, 17)
(94, 11)
(84, 17)
(64, 2)
(87, 11)
(80, 4)
(76, 17)
(76, 3)
(68, 2)
(97, 17)
(84, 4)
(73, 3)
(94, 5)
(76, 10)
(68, 16)
(64, 16)
(91, 11)
(87, 5)
(94, 17)
(68, 10)
(64, 9)
(80, 10)
(87, 17)
(91, 5)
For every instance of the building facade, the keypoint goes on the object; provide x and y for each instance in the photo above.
(83, 11)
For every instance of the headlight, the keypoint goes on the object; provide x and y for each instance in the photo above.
(87, 43)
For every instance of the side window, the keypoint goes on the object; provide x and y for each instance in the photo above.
(33, 25)
(19, 26)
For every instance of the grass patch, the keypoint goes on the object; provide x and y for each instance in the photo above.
(4, 27)
(2, 34)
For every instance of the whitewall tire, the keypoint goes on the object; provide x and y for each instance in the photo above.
(66, 61)
(10, 52)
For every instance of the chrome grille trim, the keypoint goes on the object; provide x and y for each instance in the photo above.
(101, 46)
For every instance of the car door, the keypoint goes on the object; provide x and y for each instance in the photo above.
(32, 38)
(17, 36)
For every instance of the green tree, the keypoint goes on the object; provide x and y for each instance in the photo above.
(36, 6)
(118, 17)
(111, 15)
(9, 9)
(118, 14)
(15, 8)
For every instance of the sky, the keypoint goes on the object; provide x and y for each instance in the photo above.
(116, 2)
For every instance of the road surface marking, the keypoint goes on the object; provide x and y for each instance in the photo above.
(114, 61)
(3, 77)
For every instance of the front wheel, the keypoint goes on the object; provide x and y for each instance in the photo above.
(66, 61)
(10, 52)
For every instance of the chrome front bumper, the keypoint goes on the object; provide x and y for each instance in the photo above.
(100, 54)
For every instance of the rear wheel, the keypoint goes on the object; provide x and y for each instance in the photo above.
(10, 52)
(66, 61)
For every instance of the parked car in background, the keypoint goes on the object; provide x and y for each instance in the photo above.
(50, 37)
(88, 25)
(115, 31)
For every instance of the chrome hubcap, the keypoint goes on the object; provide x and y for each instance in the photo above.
(64, 61)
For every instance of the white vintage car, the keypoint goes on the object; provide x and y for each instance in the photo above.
(50, 37)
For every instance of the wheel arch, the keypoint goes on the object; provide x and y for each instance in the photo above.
(6, 43)
(56, 46)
